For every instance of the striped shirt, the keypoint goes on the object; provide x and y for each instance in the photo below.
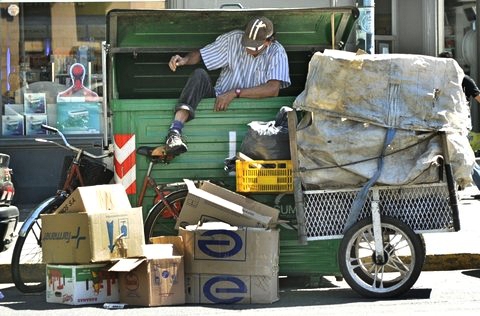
(241, 70)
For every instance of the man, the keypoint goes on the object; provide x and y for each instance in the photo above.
(253, 65)
(471, 90)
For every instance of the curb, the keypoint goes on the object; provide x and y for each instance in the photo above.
(35, 272)
(447, 262)
(461, 261)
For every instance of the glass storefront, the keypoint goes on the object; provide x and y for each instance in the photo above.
(51, 64)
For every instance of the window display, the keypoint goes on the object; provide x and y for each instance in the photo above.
(51, 64)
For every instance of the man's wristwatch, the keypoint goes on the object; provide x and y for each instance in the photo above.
(237, 92)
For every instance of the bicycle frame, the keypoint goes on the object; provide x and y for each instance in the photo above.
(74, 171)
(149, 182)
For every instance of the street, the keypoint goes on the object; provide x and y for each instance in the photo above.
(435, 293)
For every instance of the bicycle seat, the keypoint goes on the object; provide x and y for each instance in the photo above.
(145, 150)
(155, 153)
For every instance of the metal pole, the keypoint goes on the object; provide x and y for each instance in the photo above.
(367, 23)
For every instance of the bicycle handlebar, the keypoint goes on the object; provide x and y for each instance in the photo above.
(67, 145)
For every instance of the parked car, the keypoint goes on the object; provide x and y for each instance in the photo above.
(8, 213)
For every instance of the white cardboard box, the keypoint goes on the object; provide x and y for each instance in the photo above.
(33, 123)
(212, 203)
(81, 284)
(13, 125)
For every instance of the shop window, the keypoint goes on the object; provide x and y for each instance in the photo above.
(42, 44)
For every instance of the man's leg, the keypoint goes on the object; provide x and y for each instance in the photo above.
(197, 87)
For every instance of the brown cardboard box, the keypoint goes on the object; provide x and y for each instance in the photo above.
(156, 279)
(225, 264)
(97, 198)
(220, 248)
(81, 284)
(94, 224)
(92, 237)
(230, 289)
(214, 203)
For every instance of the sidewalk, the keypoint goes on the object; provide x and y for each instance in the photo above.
(445, 251)
(458, 250)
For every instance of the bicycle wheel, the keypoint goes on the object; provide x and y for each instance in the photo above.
(160, 220)
(404, 254)
(28, 269)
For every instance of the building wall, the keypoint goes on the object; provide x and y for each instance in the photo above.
(409, 27)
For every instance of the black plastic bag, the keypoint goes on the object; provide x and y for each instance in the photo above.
(268, 140)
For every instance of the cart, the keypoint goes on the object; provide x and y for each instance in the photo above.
(382, 251)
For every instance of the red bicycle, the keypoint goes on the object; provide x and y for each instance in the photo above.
(81, 169)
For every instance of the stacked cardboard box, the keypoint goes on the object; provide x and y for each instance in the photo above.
(95, 251)
(156, 279)
(232, 256)
(92, 227)
(27, 118)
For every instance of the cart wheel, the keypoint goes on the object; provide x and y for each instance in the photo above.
(404, 254)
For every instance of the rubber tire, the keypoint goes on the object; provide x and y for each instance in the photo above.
(155, 216)
(360, 280)
(17, 278)
(20, 284)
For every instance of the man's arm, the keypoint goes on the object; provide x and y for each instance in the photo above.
(191, 58)
(269, 89)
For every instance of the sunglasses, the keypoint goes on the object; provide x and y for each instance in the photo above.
(255, 49)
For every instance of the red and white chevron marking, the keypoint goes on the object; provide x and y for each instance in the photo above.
(125, 161)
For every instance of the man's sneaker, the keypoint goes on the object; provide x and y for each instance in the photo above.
(174, 143)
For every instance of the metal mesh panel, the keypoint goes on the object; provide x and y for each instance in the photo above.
(422, 207)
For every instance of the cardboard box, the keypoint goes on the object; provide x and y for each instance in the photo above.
(97, 198)
(33, 124)
(79, 117)
(95, 223)
(12, 125)
(214, 203)
(13, 109)
(155, 280)
(230, 289)
(218, 248)
(35, 103)
(225, 264)
(92, 237)
(81, 284)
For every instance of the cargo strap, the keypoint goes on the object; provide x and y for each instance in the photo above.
(361, 196)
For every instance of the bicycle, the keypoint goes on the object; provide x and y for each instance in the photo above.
(80, 170)
(168, 200)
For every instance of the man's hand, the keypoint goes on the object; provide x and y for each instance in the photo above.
(191, 58)
(223, 101)
(175, 61)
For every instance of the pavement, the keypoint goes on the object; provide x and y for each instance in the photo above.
(445, 251)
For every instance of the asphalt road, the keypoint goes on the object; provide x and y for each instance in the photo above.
(435, 293)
